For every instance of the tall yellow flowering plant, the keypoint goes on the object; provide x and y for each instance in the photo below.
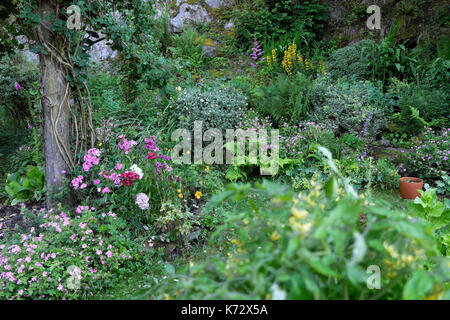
(293, 61)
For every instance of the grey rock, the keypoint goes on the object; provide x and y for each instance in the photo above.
(215, 4)
(384, 143)
(209, 51)
(189, 13)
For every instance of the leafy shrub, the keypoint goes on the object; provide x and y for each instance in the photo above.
(284, 97)
(17, 102)
(349, 61)
(443, 186)
(432, 106)
(347, 107)
(105, 97)
(22, 189)
(389, 59)
(431, 158)
(216, 106)
(316, 245)
(267, 18)
(429, 208)
(188, 46)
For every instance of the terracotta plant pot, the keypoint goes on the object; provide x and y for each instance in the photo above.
(409, 187)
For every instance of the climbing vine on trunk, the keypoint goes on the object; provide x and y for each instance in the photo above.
(64, 59)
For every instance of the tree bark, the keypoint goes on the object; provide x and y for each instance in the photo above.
(55, 104)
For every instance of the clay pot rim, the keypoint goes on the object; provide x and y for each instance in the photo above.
(418, 180)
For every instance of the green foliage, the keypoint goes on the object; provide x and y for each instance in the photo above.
(429, 208)
(411, 8)
(349, 61)
(272, 19)
(347, 106)
(421, 106)
(388, 59)
(188, 47)
(105, 96)
(24, 188)
(398, 139)
(16, 104)
(216, 106)
(443, 186)
(430, 159)
(313, 246)
(284, 98)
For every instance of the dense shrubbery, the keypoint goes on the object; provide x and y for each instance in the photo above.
(350, 62)
(318, 245)
(347, 107)
(268, 18)
(432, 106)
(430, 159)
(134, 209)
(17, 77)
(216, 106)
(284, 98)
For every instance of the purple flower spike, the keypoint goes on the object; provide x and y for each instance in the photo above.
(17, 86)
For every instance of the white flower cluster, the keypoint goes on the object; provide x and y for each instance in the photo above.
(134, 168)
(142, 201)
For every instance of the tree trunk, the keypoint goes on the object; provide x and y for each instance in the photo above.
(55, 104)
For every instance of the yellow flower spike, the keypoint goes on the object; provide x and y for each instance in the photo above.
(300, 214)
(275, 236)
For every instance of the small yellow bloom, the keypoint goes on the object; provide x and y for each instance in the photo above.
(207, 168)
(179, 190)
(300, 214)
(100, 144)
(236, 242)
(198, 194)
(245, 221)
(275, 236)
(180, 195)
